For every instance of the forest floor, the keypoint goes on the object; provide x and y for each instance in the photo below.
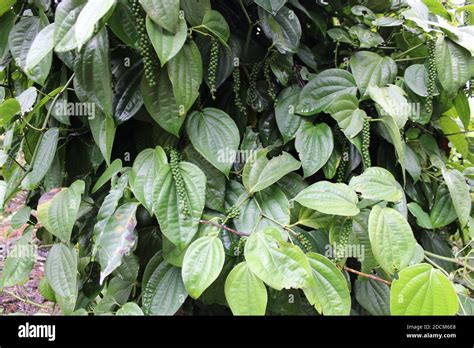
(22, 299)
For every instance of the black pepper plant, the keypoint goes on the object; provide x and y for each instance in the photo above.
(177, 155)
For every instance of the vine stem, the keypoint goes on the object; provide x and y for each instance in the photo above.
(25, 300)
(449, 259)
(224, 227)
(366, 275)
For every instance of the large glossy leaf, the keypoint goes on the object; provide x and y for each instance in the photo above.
(185, 73)
(345, 110)
(175, 225)
(452, 65)
(361, 233)
(166, 44)
(161, 104)
(284, 29)
(19, 261)
(202, 264)
(7, 21)
(164, 292)
(194, 10)
(378, 184)
(123, 24)
(443, 212)
(279, 264)
(216, 24)
(20, 41)
(392, 102)
(41, 48)
(460, 195)
(43, 159)
(8, 109)
(216, 181)
(103, 131)
(318, 94)
(57, 210)
(369, 68)
(391, 238)
(285, 106)
(328, 290)
(116, 239)
(93, 72)
(127, 99)
(65, 24)
(314, 144)
(373, 296)
(329, 198)
(165, 13)
(143, 175)
(245, 293)
(416, 78)
(86, 22)
(422, 290)
(214, 135)
(61, 272)
(272, 6)
(260, 172)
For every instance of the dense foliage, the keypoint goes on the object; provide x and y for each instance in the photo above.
(238, 156)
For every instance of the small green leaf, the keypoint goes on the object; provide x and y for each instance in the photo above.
(391, 238)
(244, 292)
(86, 22)
(57, 210)
(164, 292)
(93, 72)
(8, 109)
(111, 170)
(452, 65)
(318, 94)
(422, 290)
(460, 194)
(329, 198)
(65, 24)
(369, 69)
(61, 272)
(285, 107)
(175, 225)
(283, 28)
(143, 175)
(185, 73)
(41, 48)
(345, 110)
(377, 184)
(216, 24)
(43, 159)
(19, 261)
(260, 173)
(165, 13)
(373, 296)
(314, 144)
(161, 104)
(328, 290)
(279, 264)
(214, 135)
(166, 44)
(202, 264)
(116, 239)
